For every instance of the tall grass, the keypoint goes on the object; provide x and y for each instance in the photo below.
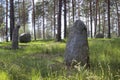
(44, 60)
(105, 59)
(4, 75)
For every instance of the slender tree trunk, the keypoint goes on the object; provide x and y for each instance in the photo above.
(65, 22)
(79, 10)
(39, 28)
(19, 10)
(109, 34)
(96, 17)
(34, 20)
(6, 20)
(99, 20)
(104, 23)
(88, 25)
(119, 26)
(118, 19)
(12, 23)
(73, 10)
(91, 17)
(54, 18)
(59, 21)
(51, 28)
(24, 15)
(43, 21)
(69, 13)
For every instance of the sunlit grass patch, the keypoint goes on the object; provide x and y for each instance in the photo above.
(51, 48)
(35, 75)
(4, 75)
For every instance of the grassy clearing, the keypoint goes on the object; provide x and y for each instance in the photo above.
(43, 60)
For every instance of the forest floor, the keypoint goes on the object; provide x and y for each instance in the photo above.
(44, 60)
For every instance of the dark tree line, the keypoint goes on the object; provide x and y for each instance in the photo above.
(52, 19)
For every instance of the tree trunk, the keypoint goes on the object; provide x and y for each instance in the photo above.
(6, 20)
(43, 21)
(15, 37)
(91, 17)
(54, 18)
(12, 23)
(79, 15)
(109, 32)
(96, 17)
(19, 10)
(118, 18)
(69, 13)
(24, 15)
(103, 23)
(34, 20)
(99, 19)
(73, 10)
(51, 27)
(65, 22)
(59, 21)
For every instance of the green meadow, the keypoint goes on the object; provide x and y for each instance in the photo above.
(44, 60)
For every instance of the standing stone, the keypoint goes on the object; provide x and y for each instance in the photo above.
(15, 37)
(77, 50)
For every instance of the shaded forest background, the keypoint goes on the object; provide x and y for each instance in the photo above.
(51, 19)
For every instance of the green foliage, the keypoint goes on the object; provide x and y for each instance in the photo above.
(2, 14)
(4, 75)
(44, 60)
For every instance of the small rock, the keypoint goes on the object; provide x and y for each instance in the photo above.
(99, 35)
(25, 37)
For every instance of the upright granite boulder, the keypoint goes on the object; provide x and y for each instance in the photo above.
(15, 37)
(25, 37)
(77, 50)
